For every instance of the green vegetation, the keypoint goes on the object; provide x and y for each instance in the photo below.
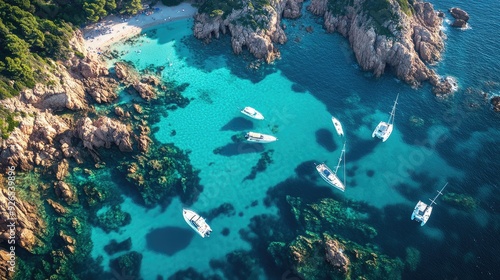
(380, 11)
(220, 7)
(406, 7)
(34, 31)
(7, 122)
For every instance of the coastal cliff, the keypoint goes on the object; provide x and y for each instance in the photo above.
(384, 34)
(252, 24)
(391, 34)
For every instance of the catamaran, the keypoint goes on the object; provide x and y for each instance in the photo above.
(197, 223)
(331, 177)
(384, 129)
(259, 137)
(252, 113)
(338, 126)
(422, 211)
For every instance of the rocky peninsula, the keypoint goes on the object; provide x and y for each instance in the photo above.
(397, 35)
(60, 143)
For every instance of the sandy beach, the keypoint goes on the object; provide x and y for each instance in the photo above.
(114, 28)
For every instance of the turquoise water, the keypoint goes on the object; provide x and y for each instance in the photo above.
(318, 77)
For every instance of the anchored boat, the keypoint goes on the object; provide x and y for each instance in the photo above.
(197, 223)
(252, 113)
(330, 176)
(338, 126)
(259, 137)
(384, 129)
(422, 211)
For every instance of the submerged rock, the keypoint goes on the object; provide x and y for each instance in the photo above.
(127, 266)
(115, 247)
(495, 101)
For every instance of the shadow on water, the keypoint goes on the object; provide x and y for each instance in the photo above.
(306, 170)
(238, 124)
(234, 149)
(358, 148)
(215, 55)
(169, 240)
(324, 138)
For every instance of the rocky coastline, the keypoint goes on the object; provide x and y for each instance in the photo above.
(383, 34)
(61, 135)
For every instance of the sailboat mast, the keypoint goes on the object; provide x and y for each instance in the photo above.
(393, 112)
(344, 164)
(340, 159)
(439, 193)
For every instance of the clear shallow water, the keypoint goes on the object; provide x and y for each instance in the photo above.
(317, 77)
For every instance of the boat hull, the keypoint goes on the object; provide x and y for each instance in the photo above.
(330, 177)
(421, 213)
(260, 138)
(383, 131)
(252, 113)
(192, 218)
(338, 126)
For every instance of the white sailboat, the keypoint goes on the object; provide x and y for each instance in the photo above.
(196, 222)
(422, 211)
(384, 129)
(338, 126)
(252, 113)
(330, 176)
(259, 137)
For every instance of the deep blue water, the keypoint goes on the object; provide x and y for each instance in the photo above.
(317, 77)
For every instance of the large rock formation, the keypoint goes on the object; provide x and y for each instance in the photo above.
(255, 27)
(28, 227)
(495, 101)
(404, 39)
(461, 17)
(102, 133)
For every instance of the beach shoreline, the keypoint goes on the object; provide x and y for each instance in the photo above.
(115, 28)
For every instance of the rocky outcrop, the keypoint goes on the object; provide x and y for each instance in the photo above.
(144, 140)
(57, 207)
(129, 76)
(404, 42)
(5, 258)
(335, 255)
(104, 132)
(33, 142)
(461, 17)
(28, 227)
(495, 101)
(254, 27)
(65, 192)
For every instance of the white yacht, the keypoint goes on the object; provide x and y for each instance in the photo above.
(252, 113)
(331, 177)
(384, 129)
(197, 223)
(338, 126)
(422, 211)
(259, 137)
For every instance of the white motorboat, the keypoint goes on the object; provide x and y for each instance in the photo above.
(197, 223)
(422, 211)
(384, 129)
(330, 176)
(252, 113)
(338, 126)
(259, 137)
